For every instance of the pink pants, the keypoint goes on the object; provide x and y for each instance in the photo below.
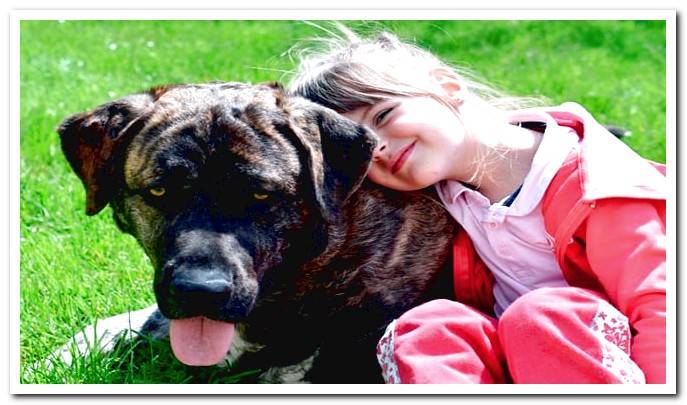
(548, 336)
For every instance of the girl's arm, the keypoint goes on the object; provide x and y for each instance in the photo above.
(626, 248)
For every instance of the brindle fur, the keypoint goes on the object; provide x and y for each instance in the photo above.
(317, 269)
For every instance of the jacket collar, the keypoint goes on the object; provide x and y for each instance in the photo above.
(608, 167)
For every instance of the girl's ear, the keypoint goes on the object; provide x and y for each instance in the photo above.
(450, 84)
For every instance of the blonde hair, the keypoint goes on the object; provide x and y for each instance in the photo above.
(345, 71)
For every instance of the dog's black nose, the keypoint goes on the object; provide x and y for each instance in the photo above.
(221, 287)
(201, 285)
(210, 293)
(194, 288)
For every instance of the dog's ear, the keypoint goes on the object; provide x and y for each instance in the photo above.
(339, 152)
(94, 144)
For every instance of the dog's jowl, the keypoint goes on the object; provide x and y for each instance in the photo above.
(268, 245)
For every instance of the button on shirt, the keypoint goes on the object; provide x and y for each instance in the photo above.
(512, 240)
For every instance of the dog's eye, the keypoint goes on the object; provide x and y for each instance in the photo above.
(157, 191)
(260, 196)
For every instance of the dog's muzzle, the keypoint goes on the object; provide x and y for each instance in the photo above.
(204, 288)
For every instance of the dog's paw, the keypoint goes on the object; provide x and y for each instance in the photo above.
(293, 374)
(101, 336)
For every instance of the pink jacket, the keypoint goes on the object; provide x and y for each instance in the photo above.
(605, 213)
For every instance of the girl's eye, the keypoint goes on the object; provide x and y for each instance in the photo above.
(157, 191)
(379, 118)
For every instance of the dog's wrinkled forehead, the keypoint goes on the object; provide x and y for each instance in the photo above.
(184, 98)
(237, 128)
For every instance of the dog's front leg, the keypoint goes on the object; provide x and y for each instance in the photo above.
(105, 334)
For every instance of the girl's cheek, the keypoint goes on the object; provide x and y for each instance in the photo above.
(372, 173)
(375, 175)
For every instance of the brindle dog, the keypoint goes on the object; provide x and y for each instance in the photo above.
(267, 242)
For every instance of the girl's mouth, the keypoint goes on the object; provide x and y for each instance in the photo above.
(402, 157)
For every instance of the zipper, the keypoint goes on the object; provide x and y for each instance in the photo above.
(568, 226)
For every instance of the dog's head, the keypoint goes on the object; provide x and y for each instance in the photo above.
(216, 182)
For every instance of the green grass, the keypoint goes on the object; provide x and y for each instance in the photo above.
(76, 269)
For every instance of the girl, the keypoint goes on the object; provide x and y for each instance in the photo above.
(568, 283)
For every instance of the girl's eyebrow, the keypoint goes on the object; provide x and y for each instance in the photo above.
(368, 109)
(366, 112)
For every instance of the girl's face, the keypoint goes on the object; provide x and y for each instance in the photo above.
(421, 142)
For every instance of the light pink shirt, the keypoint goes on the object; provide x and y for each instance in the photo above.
(512, 241)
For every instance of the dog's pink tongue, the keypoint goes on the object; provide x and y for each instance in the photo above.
(200, 341)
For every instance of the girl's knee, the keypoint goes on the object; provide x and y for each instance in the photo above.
(570, 330)
(550, 300)
(442, 324)
(529, 306)
(441, 341)
(544, 307)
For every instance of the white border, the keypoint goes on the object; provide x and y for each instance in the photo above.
(671, 203)
(345, 389)
(276, 14)
(344, 14)
(14, 229)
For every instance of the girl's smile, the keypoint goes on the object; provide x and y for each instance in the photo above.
(402, 157)
(421, 141)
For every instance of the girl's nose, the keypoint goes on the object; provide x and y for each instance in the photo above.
(379, 151)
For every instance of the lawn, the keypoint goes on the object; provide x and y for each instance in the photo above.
(76, 269)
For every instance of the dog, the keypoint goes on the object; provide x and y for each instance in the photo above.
(270, 248)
